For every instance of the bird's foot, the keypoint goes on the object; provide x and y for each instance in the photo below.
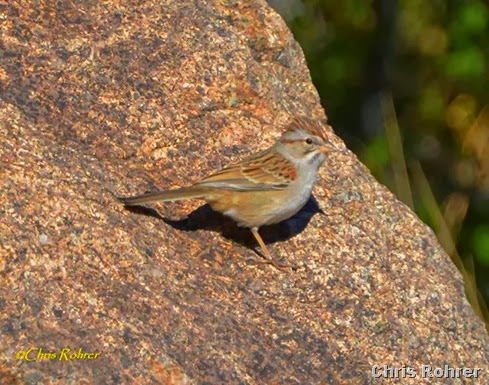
(269, 261)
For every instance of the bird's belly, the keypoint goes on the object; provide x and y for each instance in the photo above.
(255, 209)
(287, 208)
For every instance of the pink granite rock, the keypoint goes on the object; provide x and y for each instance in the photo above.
(104, 98)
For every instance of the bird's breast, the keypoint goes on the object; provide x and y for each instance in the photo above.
(297, 196)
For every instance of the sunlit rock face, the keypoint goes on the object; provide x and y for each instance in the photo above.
(102, 98)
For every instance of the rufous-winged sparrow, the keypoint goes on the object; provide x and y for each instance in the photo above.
(264, 188)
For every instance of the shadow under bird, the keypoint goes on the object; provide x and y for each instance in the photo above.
(265, 188)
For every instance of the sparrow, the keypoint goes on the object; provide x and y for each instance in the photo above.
(265, 188)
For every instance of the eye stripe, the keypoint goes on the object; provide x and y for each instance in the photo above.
(288, 141)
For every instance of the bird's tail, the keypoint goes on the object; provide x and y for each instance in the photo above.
(183, 193)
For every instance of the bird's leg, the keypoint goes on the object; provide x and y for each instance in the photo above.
(259, 239)
(266, 253)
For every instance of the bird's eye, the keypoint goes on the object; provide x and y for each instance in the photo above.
(309, 141)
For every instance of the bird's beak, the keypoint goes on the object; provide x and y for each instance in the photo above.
(325, 149)
(330, 147)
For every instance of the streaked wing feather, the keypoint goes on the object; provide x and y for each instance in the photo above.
(262, 171)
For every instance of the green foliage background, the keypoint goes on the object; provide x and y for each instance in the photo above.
(406, 84)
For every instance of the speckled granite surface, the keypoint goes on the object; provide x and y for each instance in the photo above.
(127, 96)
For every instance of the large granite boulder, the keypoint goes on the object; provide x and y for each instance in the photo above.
(103, 98)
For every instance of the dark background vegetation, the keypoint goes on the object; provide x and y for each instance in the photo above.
(406, 84)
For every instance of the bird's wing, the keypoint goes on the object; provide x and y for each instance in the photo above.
(263, 171)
